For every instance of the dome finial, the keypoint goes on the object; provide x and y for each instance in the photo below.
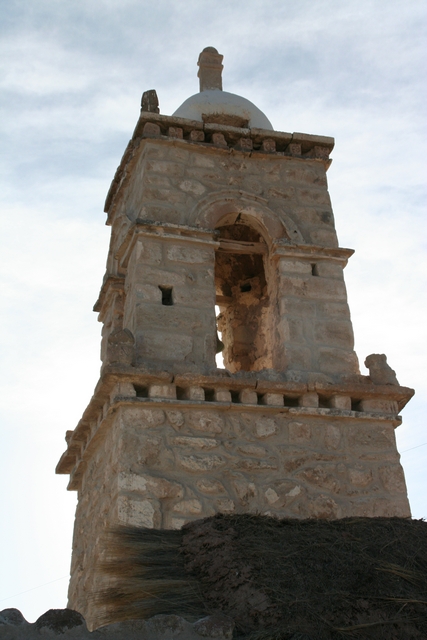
(210, 69)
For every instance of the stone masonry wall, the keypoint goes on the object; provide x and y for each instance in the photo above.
(162, 466)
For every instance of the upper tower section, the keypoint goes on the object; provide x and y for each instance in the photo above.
(212, 207)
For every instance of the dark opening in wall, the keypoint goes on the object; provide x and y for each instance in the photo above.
(166, 295)
(243, 299)
(141, 392)
(314, 270)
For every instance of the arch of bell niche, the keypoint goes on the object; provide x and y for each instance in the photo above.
(246, 287)
(210, 212)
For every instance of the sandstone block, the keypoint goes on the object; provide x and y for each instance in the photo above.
(125, 389)
(151, 130)
(323, 237)
(194, 393)
(247, 396)
(271, 496)
(393, 478)
(309, 400)
(265, 427)
(206, 421)
(294, 149)
(192, 186)
(195, 443)
(376, 437)
(222, 395)
(297, 358)
(323, 507)
(299, 432)
(268, 145)
(329, 270)
(360, 476)
(340, 402)
(200, 463)
(148, 252)
(336, 361)
(250, 464)
(140, 513)
(155, 487)
(332, 436)
(175, 132)
(197, 136)
(335, 333)
(252, 450)
(171, 169)
(175, 418)
(294, 266)
(164, 346)
(245, 491)
(378, 405)
(218, 140)
(272, 399)
(210, 486)
(188, 507)
(244, 144)
(225, 505)
(162, 391)
(320, 477)
(148, 293)
(188, 254)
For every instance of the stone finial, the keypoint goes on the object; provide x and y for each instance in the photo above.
(150, 101)
(210, 69)
(379, 371)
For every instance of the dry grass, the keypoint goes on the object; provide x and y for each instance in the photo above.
(278, 579)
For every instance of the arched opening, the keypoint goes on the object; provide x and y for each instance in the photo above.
(242, 295)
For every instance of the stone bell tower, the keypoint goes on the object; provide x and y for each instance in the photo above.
(211, 208)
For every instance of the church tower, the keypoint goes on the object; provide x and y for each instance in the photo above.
(223, 239)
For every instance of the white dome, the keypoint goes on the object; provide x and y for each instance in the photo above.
(214, 103)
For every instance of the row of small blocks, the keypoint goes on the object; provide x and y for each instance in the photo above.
(247, 396)
(268, 145)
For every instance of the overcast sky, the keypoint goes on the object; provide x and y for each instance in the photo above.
(72, 76)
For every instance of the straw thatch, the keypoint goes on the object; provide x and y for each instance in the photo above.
(277, 579)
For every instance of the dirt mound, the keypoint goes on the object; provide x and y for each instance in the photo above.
(279, 579)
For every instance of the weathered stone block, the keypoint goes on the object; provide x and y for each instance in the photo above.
(299, 432)
(139, 513)
(376, 405)
(268, 145)
(196, 443)
(197, 136)
(199, 462)
(272, 398)
(188, 254)
(340, 402)
(194, 393)
(265, 427)
(206, 421)
(219, 140)
(164, 346)
(247, 396)
(151, 130)
(162, 391)
(335, 333)
(175, 132)
(222, 395)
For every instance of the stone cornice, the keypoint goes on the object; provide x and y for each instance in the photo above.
(281, 396)
(220, 137)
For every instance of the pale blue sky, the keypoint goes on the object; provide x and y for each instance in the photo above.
(72, 76)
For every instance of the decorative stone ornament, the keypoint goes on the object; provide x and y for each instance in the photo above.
(208, 215)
